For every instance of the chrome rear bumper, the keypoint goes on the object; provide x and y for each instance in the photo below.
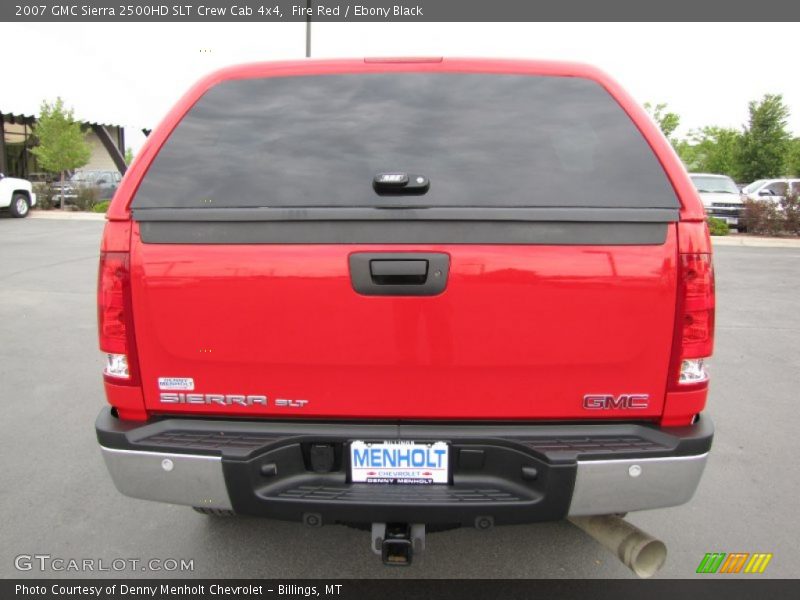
(505, 473)
(605, 487)
(190, 479)
(601, 486)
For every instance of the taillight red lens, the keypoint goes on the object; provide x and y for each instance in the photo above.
(112, 284)
(693, 336)
(697, 274)
(114, 323)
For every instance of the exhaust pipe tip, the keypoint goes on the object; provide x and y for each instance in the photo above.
(642, 553)
(647, 559)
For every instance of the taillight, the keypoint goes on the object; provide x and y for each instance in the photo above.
(695, 318)
(114, 322)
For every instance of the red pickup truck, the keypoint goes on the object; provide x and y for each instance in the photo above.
(406, 294)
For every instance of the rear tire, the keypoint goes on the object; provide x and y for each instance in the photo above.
(214, 512)
(20, 206)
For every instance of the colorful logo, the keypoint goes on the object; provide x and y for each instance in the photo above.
(735, 562)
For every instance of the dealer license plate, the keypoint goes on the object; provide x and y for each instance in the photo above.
(398, 462)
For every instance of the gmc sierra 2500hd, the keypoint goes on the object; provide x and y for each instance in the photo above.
(407, 294)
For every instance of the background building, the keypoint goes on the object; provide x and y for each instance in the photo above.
(107, 143)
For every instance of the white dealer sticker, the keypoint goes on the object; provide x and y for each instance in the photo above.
(176, 383)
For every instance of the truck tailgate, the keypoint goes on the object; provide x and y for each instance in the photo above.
(520, 332)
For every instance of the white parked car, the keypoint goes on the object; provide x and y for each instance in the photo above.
(720, 197)
(16, 195)
(771, 189)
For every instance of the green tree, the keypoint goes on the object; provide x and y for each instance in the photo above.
(712, 150)
(766, 139)
(667, 121)
(128, 156)
(687, 153)
(62, 145)
(793, 158)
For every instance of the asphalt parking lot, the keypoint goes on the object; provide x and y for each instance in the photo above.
(57, 499)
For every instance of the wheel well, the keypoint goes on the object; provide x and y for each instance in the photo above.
(26, 193)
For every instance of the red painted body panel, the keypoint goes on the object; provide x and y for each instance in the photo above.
(116, 237)
(680, 407)
(521, 332)
(127, 400)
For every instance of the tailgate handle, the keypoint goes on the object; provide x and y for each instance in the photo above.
(399, 273)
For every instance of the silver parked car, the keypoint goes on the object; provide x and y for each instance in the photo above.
(720, 196)
(105, 182)
(771, 189)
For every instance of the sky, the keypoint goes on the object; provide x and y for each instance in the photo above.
(132, 73)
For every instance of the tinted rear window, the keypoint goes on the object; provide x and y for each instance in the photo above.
(483, 140)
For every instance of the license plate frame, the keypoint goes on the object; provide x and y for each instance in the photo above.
(399, 462)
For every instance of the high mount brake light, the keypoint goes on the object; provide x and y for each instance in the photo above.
(114, 322)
